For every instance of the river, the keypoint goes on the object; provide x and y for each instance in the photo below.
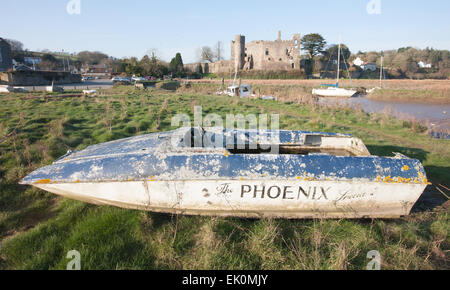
(436, 117)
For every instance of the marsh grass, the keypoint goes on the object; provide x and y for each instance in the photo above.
(439, 95)
(430, 91)
(37, 229)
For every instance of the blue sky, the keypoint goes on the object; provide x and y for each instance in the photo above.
(133, 27)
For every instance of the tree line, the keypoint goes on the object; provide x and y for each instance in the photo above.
(149, 65)
(400, 63)
(320, 57)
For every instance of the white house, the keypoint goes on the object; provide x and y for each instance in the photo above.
(358, 62)
(369, 66)
(423, 64)
(17, 66)
(365, 65)
(32, 60)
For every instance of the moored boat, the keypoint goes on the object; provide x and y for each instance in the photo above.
(242, 173)
(334, 92)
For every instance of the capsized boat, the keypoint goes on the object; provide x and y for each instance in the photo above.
(242, 173)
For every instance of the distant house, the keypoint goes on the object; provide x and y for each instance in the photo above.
(32, 60)
(358, 62)
(365, 66)
(369, 66)
(423, 64)
(22, 67)
(96, 69)
(17, 66)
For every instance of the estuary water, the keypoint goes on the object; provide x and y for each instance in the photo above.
(435, 116)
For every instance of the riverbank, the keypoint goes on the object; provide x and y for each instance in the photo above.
(425, 91)
(37, 228)
(428, 96)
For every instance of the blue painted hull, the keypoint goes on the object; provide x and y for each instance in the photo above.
(150, 158)
(201, 167)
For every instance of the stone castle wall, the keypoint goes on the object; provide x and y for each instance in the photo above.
(223, 66)
(278, 55)
(273, 55)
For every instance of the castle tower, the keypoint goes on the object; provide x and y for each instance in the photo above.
(238, 52)
(297, 47)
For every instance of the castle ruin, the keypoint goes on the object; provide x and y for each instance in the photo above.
(266, 55)
(278, 55)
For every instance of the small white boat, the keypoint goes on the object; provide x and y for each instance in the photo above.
(270, 98)
(221, 172)
(242, 91)
(334, 92)
(10, 89)
(89, 92)
(5, 89)
(54, 89)
(370, 91)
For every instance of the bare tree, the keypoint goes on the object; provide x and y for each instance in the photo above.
(15, 45)
(206, 54)
(153, 53)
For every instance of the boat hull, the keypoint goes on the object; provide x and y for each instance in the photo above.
(251, 198)
(334, 92)
(321, 175)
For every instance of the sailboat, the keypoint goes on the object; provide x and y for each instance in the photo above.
(335, 90)
(242, 91)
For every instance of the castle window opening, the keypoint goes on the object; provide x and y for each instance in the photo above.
(267, 51)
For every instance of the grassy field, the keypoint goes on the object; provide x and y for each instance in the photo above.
(428, 91)
(37, 229)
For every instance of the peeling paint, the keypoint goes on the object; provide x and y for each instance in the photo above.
(43, 181)
(157, 163)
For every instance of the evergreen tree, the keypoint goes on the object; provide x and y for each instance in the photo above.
(176, 65)
(314, 43)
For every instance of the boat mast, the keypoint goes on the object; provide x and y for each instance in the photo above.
(381, 71)
(338, 62)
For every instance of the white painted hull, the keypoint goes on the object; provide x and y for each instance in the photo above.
(252, 198)
(10, 89)
(334, 92)
(5, 89)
